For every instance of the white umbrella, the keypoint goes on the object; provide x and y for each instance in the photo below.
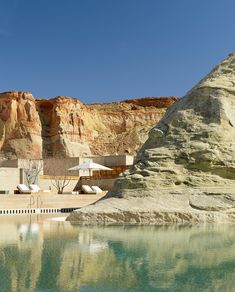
(89, 166)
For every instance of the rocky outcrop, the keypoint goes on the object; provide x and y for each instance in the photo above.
(20, 127)
(122, 127)
(185, 172)
(62, 122)
(64, 126)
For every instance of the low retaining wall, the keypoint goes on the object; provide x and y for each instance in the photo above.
(35, 211)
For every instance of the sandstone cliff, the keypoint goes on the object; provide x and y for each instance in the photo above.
(20, 127)
(64, 126)
(185, 172)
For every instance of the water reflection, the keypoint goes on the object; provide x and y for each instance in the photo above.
(41, 255)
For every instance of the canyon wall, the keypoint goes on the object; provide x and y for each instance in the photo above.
(64, 126)
(20, 126)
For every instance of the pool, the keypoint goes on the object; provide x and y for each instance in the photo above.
(41, 254)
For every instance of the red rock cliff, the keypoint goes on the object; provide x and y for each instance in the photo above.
(20, 126)
(63, 126)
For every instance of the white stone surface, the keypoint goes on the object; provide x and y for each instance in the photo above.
(185, 172)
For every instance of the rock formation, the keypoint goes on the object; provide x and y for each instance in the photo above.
(185, 172)
(20, 127)
(64, 126)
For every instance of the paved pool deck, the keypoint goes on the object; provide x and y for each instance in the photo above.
(18, 201)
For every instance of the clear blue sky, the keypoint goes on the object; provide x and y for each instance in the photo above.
(108, 50)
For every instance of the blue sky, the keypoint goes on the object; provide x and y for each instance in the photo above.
(109, 50)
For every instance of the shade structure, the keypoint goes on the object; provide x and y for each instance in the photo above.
(89, 166)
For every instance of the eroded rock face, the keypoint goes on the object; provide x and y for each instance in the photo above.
(20, 127)
(62, 121)
(185, 172)
(66, 127)
(122, 128)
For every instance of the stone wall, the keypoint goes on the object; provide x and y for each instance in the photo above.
(9, 179)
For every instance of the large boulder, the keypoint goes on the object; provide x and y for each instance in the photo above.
(185, 172)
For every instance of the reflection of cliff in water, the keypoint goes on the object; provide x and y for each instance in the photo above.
(138, 258)
(62, 257)
(187, 258)
(20, 266)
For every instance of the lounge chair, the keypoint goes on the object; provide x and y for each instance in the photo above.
(97, 189)
(71, 193)
(87, 189)
(23, 189)
(35, 189)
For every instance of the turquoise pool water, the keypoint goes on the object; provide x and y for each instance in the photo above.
(37, 254)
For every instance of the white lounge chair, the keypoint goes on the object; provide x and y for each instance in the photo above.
(97, 189)
(23, 189)
(35, 189)
(87, 189)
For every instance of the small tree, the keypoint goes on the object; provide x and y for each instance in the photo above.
(31, 169)
(59, 174)
(60, 182)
